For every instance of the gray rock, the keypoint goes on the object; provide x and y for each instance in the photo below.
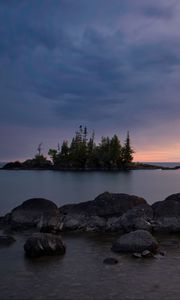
(135, 241)
(114, 224)
(105, 205)
(110, 261)
(102, 213)
(147, 253)
(139, 217)
(40, 244)
(83, 223)
(36, 212)
(137, 255)
(167, 214)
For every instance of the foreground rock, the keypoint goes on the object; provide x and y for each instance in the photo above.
(42, 244)
(139, 217)
(36, 212)
(167, 214)
(6, 240)
(99, 214)
(136, 242)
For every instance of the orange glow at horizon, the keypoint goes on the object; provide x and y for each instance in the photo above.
(158, 155)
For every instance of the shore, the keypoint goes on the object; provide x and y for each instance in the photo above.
(134, 166)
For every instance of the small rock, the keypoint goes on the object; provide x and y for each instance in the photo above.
(147, 253)
(137, 255)
(135, 241)
(110, 261)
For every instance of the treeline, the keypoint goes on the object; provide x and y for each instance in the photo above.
(83, 153)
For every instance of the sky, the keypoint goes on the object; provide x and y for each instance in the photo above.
(112, 65)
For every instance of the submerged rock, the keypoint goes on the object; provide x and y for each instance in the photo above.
(135, 241)
(40, 244)
(36, 212)
(167, 214)
(110, 261)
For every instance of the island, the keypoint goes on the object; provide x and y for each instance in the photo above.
(83, 154)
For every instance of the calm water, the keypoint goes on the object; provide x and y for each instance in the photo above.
(66, 187)
(81, 274)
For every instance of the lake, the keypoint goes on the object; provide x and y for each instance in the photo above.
(80, 274)
(73, 187)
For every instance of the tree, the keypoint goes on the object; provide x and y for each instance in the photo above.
(127, 151)
(115, 151)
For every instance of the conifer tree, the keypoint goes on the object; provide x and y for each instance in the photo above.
(127, 151)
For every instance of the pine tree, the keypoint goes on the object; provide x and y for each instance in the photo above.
(127, 151)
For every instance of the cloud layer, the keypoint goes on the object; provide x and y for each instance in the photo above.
(113, 65)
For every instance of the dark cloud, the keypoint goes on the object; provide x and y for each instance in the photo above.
(113, 64)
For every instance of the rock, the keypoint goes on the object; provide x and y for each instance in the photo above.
(135, 241)
(167, 214)
(36, 212)
(147, 253)
(137, 255)
(139, 217)
(105, 205)
(83, 223)
(110, 261)
(40, 244)
(6, 240)
(102, 213)
(114, 224)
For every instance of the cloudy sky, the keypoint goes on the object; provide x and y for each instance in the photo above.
(113, 65)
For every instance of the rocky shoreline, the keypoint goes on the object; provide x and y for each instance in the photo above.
(131, 217)
(32, 164)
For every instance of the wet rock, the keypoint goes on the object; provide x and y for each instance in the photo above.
(135, 241)
(147, 253)
(36, 212)
(42, 244)
(6, 240)
(167, 214)
(139, 217)
(137, 255)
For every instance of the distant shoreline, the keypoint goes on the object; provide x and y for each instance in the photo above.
(134, 166)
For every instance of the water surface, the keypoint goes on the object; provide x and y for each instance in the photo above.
(80, 274)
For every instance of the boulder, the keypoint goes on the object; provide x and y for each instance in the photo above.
(105, 205)
(42, 244)
(36, 212)
(167, 214)
(139, 217)
(135, 242)
(102, 213)
(114, 224)
(83, 223)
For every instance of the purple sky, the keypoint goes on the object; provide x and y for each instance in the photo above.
(111, 65)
